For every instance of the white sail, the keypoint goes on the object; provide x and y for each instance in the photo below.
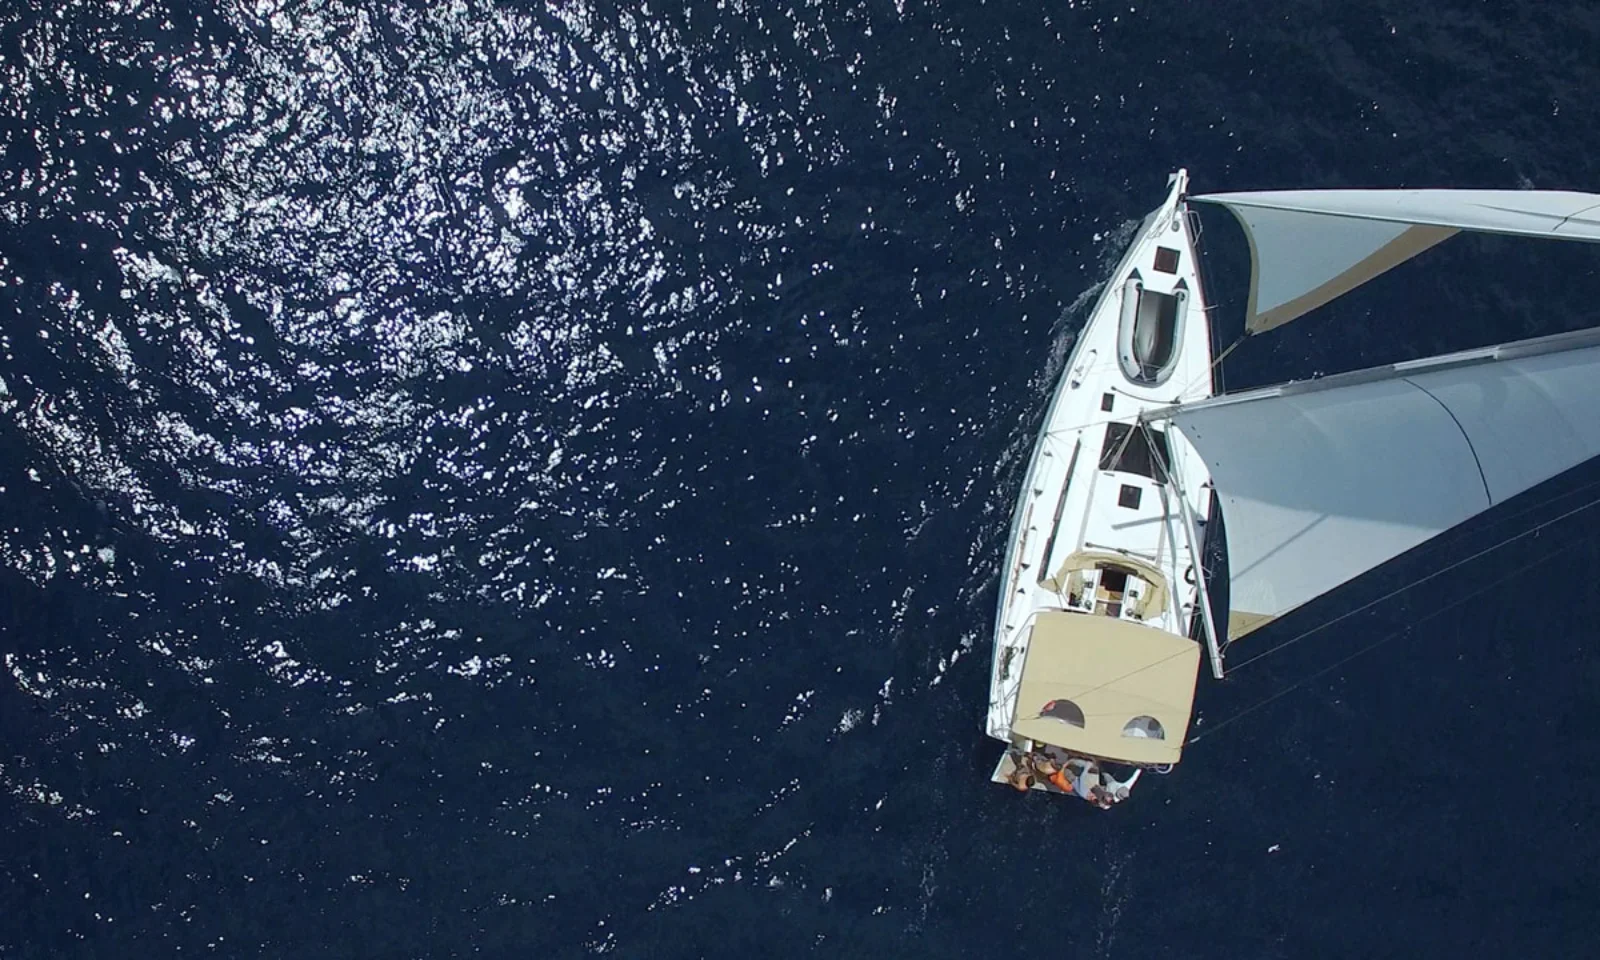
(1323, 480)
(1309, 246)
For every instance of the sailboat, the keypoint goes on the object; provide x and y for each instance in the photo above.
(1105, 609)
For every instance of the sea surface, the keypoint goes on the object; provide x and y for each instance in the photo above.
(517, 479)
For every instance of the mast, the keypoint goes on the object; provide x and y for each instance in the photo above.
(1208, 623)
(1204, 599)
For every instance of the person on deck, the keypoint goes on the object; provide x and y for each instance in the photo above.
(1022, 772)
(1088, 779)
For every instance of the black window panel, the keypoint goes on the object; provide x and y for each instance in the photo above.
(1142, 451)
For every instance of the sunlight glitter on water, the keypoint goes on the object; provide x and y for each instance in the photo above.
(455, 376)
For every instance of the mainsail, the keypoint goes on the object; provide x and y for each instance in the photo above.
(1322, 480)
(1309, 246)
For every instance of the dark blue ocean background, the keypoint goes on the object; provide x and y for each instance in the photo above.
(530, 479)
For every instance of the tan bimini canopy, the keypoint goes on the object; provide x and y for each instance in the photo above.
(1107, 688)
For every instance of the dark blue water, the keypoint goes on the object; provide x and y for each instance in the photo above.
(529, 480)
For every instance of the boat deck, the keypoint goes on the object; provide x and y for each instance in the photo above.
(1098, 528)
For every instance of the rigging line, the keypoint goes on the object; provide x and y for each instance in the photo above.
(1116, 459)
(1056, 433)
(1534, 508)
(1449, 537)
(1099, 421)
(1178, 399)
(1376, 644)
(1214, 364)
(1453, 536)
(1101, 686)
(1417, 583)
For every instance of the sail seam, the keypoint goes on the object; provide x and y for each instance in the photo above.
(1573, 216)
(1482, 478)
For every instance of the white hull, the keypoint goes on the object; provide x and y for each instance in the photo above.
(1069, 508)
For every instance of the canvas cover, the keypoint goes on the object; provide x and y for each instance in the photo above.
(1090, 682)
